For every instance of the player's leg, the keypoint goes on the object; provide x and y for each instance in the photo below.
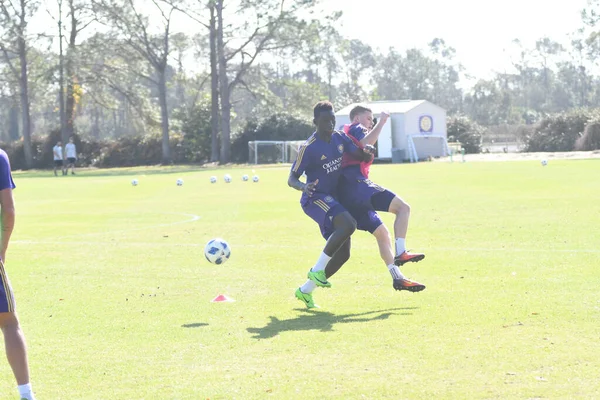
(343, 227)
(337, 225)
(304, 292)
(339, 258)
(400, 282)
(388, 201)
(368, 220)
(14, 340)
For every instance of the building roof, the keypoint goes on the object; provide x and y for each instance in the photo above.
(393, 107)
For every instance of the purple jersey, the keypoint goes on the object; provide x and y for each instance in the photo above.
(323, 161)
(6, 180)
(358, 131)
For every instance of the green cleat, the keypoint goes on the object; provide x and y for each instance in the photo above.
(319, 278)
(306, 298)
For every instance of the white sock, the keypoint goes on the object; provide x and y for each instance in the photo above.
(395, 272)
(321, 262)
(25, 391)
(400, 246)
(308, 287)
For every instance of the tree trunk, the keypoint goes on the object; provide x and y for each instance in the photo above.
(61, 79)
(95, 123)
(214, 86)
(23, 84)
(224, 89)
(164, 117)
(70, 102)
(13, 122)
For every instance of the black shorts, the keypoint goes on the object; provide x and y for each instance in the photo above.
(71, 160)
(58, 163)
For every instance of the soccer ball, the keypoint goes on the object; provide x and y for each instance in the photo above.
(544, 162)
(213, 179)
(227, 178)
(255, 178)
(217, 251)
(245, 178)
(179, 182)
(134, 182)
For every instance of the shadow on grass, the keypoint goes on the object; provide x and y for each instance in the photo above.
(321, 321)
(194, 325)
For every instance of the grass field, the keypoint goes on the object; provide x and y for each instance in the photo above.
(113, 290)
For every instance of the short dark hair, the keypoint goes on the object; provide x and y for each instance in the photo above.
(359, 110)
(322, 106)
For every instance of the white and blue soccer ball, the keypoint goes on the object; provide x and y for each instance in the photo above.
(255, 178)
(217, 251)
(213, 179)
(544, 162)
(134, 182)
(227, 178)
(179, 182)
(245, 178)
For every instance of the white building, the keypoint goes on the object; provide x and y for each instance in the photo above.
(415, 131)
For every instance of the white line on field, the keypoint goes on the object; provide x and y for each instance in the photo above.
(193, 218)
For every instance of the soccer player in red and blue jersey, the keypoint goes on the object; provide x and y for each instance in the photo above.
(320, 158)
(363, 199)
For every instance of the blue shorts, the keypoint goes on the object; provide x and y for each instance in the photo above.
(7, 300)
(362, 193)
(323, 209)
(367, 219)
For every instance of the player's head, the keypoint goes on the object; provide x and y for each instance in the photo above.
(362, 115)
(324, 117)
(59, 143)
(71, 139)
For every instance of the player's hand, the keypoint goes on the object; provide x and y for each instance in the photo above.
(367, 156)
(369, 149)
(310, 188)
(384, 117)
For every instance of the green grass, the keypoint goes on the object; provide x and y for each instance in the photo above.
(113, 290)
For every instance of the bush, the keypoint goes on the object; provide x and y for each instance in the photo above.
(278, 127)
(559, 132)
(196, 128)
(591, 137)
(468, 133)
(139, 150)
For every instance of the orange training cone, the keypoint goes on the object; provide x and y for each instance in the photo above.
(221, 298)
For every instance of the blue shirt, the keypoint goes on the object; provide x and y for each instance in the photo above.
(323, 161)
(6, 180)
(358, 131)
(353, 167)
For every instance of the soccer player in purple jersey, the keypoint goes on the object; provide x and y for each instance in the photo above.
(363, 199)
(14, 340)
(320, 158)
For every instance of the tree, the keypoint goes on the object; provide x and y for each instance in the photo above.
(14, 16)
(80, 17)
(357, 58)
(133, 27)
(546, 49)
(271, 25)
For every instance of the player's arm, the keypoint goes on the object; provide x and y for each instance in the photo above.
(371, 137)
(7, 217)
(298, 169)
(363, 154)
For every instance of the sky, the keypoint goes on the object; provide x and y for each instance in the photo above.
(480, 31)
